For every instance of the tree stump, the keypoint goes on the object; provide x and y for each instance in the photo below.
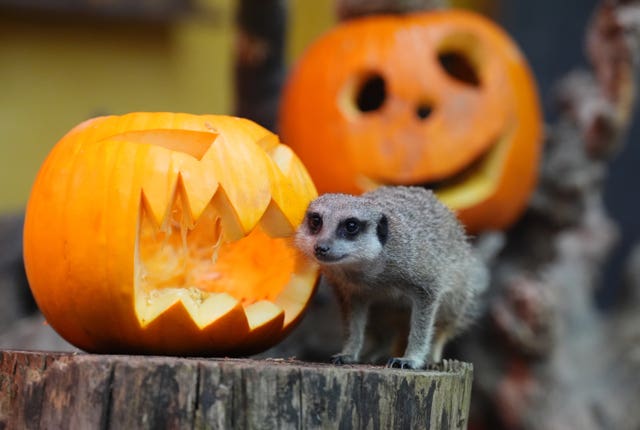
(85, 391)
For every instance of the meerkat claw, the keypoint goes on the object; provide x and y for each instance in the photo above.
(401, 363)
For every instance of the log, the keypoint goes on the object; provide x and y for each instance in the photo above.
(69, 390)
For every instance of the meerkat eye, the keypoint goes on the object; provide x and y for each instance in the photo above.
(314, 221)
(352, 226)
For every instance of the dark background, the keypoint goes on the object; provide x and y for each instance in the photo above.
(551, 34)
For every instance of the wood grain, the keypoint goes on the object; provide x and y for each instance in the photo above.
(62, 390)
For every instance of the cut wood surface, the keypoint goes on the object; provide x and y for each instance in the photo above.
(84, 391)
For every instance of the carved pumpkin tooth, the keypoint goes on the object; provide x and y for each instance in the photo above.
(163, 246)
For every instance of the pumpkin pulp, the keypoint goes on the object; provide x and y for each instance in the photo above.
(192, 262)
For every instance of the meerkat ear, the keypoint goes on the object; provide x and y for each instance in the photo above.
(382, 229)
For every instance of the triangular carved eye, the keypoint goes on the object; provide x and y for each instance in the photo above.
(371, 93)
(194, 143)
(459, 67)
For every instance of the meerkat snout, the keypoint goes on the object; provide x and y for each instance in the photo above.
(321, 250)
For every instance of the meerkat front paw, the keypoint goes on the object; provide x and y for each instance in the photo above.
(403, 363)
(340, 359)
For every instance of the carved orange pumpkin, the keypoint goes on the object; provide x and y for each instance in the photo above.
(441, 99)
(165, 233)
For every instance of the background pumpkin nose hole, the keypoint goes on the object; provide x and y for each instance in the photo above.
(459, 67)
(424, 110)
(371, 94)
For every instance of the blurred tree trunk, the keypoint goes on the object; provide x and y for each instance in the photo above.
(259, 59)
(259, 67)
(560, 363)
(347, 9)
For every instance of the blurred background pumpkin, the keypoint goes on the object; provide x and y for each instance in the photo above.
(440, 99)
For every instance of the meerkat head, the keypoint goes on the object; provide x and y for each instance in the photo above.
(342, 229)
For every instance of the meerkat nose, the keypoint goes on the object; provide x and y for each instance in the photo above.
(321, 250)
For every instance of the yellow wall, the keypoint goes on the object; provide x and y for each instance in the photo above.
(308, 19)
(56, 72)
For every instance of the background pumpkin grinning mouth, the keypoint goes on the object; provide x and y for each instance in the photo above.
(464, 175)
(468, 172)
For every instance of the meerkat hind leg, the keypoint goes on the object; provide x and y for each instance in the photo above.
(355, 322)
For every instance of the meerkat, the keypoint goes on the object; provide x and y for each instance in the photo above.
(395, 244)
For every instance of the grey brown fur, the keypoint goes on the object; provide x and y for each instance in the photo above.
(395, 245)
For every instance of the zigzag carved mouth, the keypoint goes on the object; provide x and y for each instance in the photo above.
(212, 265)
(190, 261)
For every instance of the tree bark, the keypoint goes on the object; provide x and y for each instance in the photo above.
(55, 390)
(347, 9)
(259, 59)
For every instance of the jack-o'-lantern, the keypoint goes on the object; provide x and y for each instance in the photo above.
(168, 233)
(440, 99)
